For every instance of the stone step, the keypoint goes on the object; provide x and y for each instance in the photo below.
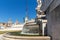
(10, 37)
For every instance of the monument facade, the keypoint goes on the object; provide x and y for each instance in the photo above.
(52, 10)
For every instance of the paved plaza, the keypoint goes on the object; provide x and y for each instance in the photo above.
(1, 37)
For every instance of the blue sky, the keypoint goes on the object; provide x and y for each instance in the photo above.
(16, 9)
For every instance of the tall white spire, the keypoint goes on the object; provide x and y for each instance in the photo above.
(9, 22)
(17, 22)
(26, 18)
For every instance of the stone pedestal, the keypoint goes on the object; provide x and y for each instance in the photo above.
(10, 37)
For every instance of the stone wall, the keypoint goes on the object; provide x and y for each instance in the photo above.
(54, 23)
(9, 37)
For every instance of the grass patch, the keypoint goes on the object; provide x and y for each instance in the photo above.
(19, 34)
(2, 32)
(16, 33)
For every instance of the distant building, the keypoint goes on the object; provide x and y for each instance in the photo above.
(10, 24)
(4, 25)
(17, 22)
